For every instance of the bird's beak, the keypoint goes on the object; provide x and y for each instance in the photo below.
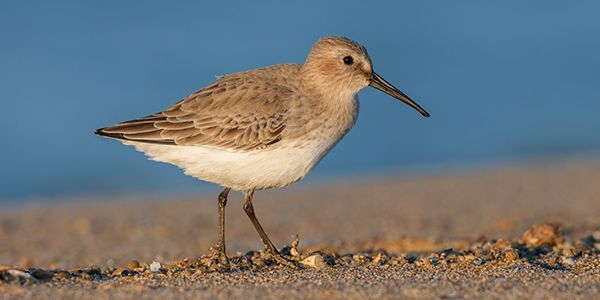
(379, 83)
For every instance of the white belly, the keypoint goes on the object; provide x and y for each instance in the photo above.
(259, 169)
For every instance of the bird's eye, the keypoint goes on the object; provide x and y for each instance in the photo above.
(348, 60)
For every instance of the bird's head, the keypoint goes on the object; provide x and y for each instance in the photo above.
(340, 66)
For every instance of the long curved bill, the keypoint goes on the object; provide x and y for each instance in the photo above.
(379, 83)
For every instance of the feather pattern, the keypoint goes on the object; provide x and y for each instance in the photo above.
(238, 112)
(258, 129)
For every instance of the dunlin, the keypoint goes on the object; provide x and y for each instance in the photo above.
(263, 128)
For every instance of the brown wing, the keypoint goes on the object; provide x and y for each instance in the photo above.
(235, 112)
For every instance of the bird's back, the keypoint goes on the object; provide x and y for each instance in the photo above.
(241, 111)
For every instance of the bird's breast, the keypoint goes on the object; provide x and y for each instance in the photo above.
(323, 126)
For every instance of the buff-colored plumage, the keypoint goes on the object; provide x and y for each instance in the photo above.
(258, 129)
(240, 112)
(263, 128)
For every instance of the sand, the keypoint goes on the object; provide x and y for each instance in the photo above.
(516, 232)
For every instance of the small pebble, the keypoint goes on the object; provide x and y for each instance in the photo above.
(596, 235)
(501, 244)
(294, 247)
(134, 264)
(285, 251)
(122, 272)
(41, 274)
(511, 254)
(155, 267)
(450, 254)
(541, 234)
(18, 273)
(360, 259)
(294, 251)
(380, 259)
(347, 259)
(478, 261)
(314, 261)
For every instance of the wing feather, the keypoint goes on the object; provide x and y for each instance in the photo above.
(237, 112)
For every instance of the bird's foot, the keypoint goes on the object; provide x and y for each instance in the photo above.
(220, 261)
(281, 260)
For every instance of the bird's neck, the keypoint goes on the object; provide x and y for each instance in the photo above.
(331, 92)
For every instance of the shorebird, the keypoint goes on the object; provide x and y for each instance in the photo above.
(261, 129)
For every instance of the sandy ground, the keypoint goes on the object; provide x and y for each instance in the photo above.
(446, 235)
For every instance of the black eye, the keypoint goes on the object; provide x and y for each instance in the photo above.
(348, 60)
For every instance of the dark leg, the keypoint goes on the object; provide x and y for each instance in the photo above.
(219, 248)
(249, 209)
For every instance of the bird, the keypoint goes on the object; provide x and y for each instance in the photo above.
(263, 128)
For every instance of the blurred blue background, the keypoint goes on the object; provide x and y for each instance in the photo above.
(505, 81)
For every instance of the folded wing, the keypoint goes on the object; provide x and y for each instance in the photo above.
(234, 113)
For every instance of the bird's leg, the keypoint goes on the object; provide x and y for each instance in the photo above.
(219, 248)
(271, 249)
(249, 209)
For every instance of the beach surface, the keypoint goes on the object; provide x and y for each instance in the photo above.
(529, 231)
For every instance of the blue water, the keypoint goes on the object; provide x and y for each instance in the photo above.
(503, 81)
